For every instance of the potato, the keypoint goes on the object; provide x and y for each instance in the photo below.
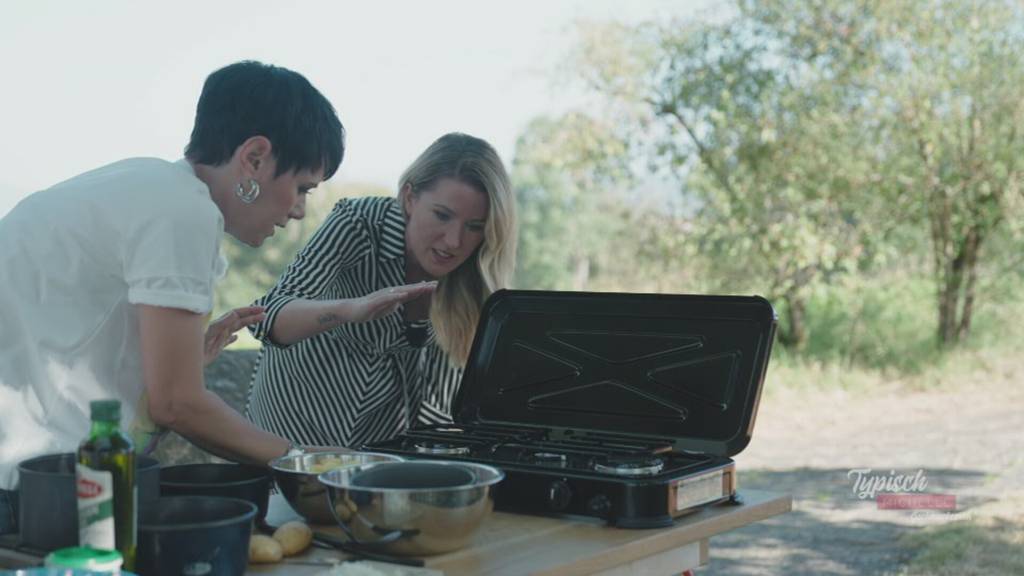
(264, 549)
(294, 537)
(328, 463)
(345, 509)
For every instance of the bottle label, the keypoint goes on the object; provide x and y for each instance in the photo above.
(95, 507)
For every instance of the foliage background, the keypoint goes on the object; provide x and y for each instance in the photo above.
(857, 163)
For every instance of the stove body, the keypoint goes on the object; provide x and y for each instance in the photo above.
(625, 407)
(632, 483)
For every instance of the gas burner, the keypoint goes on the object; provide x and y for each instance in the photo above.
(631, 466)
(643, 489)
(426, 447)
(549, 459)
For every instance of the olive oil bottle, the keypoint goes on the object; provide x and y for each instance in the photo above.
(105, 481)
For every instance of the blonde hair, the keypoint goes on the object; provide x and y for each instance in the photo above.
(460, 294)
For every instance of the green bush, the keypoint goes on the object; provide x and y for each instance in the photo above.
(889, 324)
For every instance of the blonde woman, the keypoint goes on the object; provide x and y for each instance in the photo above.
(367, 332)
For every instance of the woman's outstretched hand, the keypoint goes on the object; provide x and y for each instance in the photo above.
(221, 331)
(387, 300)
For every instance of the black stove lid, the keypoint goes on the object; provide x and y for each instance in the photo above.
(684, 368)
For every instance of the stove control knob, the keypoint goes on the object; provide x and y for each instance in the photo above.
(599, 506)
(558, 496)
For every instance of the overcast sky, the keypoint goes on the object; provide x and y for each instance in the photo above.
(88, 83)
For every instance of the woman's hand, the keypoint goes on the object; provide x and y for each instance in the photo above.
(221, 331)
(385, 301)
(302, 318)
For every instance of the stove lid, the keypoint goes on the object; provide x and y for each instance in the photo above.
(685, 369)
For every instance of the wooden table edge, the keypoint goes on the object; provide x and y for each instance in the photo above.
(699, 526)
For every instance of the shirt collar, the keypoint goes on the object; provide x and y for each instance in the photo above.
(393, 233)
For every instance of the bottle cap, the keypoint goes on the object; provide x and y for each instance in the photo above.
(86, 558)
(106, 410)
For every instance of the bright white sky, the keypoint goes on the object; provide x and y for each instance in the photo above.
(87, 83)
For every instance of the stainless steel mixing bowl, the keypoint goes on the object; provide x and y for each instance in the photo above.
(296, 478)
(412, 508)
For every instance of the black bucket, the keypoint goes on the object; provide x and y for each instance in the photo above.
(250, 483)
(195, 535)
(48, 502)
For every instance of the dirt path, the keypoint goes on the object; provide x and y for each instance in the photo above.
(967, 441)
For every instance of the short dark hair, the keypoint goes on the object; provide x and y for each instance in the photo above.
(249, 99)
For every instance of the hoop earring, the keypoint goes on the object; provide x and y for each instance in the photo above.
(248, 196)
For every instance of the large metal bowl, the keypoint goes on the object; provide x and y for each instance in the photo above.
(412, 508)
(296, 478)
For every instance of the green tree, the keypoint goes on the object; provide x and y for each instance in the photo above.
(814, 134)
(771, 148)
(567, 172)
(954, 123)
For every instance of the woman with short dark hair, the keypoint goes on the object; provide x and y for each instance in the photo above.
(108, 277)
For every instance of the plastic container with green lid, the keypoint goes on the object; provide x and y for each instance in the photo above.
(108, 561)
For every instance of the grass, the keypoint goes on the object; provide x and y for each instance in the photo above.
(864, 335)
(892, 344)
(990, 542)
(965, 366)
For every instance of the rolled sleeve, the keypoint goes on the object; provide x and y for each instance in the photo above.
(173, 259)
(172, 292)
(272, 305)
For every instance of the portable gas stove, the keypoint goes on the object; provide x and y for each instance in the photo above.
(624, 407)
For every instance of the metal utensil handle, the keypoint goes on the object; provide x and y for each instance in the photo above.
(337, 520)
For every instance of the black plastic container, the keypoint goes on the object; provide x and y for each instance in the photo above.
(195, 535)
(251, 483)
(48, 506)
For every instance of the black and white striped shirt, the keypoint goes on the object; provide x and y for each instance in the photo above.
(356, 383)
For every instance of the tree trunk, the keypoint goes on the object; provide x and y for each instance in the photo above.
(794, 334)
(947, 281)
(581, 273)
(959, 277)
(949, 293)
(971, 249)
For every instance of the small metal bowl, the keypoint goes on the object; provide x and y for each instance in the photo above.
(296, 478)
(412, 508)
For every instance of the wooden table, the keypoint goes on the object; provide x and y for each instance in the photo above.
(516, 544)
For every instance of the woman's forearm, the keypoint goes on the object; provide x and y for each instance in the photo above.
(171, 343)
(209, 422)
(301, 319)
